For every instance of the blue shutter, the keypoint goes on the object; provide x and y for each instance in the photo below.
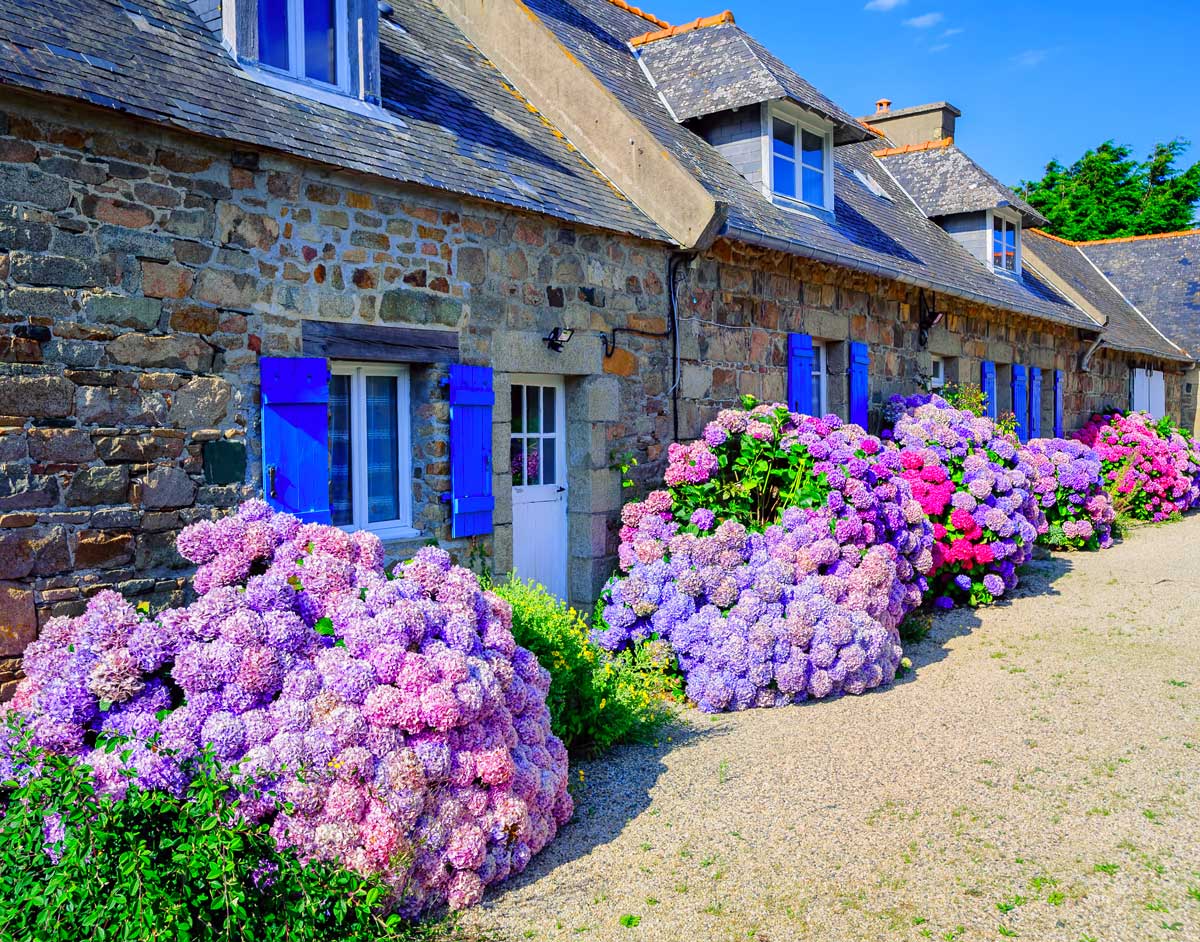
(295, 435)
(1020, 400)
(1035, 402)
(799, 373)
(1058, 403)
(471, 401)
(860, 361)
(987, 382)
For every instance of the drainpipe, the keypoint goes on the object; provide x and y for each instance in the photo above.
(1085, 362)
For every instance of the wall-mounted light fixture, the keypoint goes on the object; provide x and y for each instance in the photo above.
(558, 338)
(929, 319)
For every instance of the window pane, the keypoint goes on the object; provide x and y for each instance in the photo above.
(1010, 248)
(273, 33)
(998, 244)
(817, 405)
(516, 459)
(533, 461)
(518, 408)
(814, 187)
(340, 481)
(533, 409)
(383, 446)
(814, 150)
(549, 412)
(784, 143)
(320, 41)
(549, 461)
(784, 177)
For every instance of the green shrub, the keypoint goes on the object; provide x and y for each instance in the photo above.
(75, 865)
(596, 700)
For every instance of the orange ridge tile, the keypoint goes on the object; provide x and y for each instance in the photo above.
(870, 127)
(700, 23)
(1136, 238)
(915, 148)
(649, 17)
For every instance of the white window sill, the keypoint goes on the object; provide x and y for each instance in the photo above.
(388, 531)
(325, 94)
(800, 207)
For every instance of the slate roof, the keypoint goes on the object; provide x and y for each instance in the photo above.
(720, 67)
(1161, 276)
(945, 181)
(1127, 329)
(888, 237)
(452, 122)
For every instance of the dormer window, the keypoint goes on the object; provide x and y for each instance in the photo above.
(1006, 242)
(305, 39)
(800, 157)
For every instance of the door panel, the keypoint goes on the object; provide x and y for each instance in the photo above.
(537, 461)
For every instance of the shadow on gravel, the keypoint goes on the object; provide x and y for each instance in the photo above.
(613, 790)
(1037, 578)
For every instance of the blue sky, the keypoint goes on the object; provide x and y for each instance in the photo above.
(1034, 80)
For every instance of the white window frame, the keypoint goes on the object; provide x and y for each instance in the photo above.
(1012, 220)
(294, 78)
(937, 373)
(821, 373)
(802, 122)
(401, 527)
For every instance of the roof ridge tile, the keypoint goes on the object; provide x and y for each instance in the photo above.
(1116, 239)
(702, 22)
(911, 148)
(649, 17)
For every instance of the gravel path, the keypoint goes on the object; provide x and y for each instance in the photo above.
(1036, 777)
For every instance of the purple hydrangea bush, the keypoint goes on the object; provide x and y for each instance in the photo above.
(977, 490)
(751, 617)
(1068, 482)
(753, 464)
(398, 720)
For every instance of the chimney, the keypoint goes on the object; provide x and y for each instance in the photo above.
(916, 125)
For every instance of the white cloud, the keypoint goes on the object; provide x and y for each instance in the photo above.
(953, 31)
(1031, 57)
(940, 47)
(925, 20)
(883, 6)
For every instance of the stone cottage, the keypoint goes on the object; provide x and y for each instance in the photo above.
(437, 269)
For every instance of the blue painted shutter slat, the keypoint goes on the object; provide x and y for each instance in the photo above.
(860, 361)
(1058, 403)
(1020, 399)
(799, 375)
(1035, 402)
(987, 382)
(295, 435)
(471, 402)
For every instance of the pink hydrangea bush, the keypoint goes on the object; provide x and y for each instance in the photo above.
(1068, 481)
(406, 731)
(975, 487)
(1152, 474)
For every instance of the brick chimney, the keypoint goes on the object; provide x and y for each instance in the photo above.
(914, 125)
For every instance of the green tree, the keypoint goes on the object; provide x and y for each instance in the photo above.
(1106, 193)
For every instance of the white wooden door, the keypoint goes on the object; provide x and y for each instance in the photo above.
(1158, 394)
(538, 463)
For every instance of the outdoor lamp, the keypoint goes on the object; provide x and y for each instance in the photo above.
(558, 337)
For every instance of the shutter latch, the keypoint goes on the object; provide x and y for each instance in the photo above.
(271, 478)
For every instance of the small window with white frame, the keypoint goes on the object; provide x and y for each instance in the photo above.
(304, 40)
(800, 159)
(937, 374)
(820, 373)
(370, 472)
(1006, 243)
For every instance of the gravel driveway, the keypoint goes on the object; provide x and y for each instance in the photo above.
(1036, 777)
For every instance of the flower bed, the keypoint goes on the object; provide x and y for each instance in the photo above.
(1068, 481)
(398, 719)
(750, 617)
(975, 488)
(1151, 473)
